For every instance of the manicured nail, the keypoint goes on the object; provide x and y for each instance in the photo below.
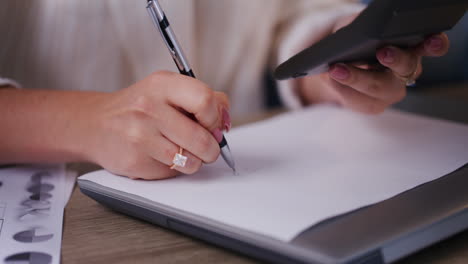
(226, 120)
(387, 55)
(340, 72)
(434, 43)
(218, 134)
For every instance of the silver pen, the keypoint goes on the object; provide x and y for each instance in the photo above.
(162, 24)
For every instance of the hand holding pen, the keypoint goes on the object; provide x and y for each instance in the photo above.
(133, 132)
(161, 22)
(140, 131)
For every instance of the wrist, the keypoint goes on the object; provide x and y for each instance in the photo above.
(82, 140)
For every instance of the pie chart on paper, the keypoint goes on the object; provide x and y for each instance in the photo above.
(40, 196)
(33, 235)
(41, 188)
(29, 258)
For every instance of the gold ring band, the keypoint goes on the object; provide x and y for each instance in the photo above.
(409, 79)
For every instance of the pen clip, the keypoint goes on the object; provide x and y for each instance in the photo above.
(158, 17)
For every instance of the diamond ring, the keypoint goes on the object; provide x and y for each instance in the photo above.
(179, 160)
(410, 79)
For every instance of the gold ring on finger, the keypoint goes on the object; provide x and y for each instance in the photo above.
(410, 79)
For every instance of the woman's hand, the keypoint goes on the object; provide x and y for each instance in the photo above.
(368, 89)
(137, 131)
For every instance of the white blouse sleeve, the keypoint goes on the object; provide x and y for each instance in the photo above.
(308, 29)
(8, 82)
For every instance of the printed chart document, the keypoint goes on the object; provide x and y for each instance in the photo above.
(32, 200)
(301, 168)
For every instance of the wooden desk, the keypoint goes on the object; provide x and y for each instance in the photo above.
(95, 234)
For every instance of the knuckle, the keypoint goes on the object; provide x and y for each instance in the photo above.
(156, 80)
(135, 134)
(222, 99)
(155, 77)
(142, 104)
(223, 96)
(206, 97)
(208, 147)
(162, 74)
(204, 141)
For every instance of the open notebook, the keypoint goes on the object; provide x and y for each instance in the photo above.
(301, 168)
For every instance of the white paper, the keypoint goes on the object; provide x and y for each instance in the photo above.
(301, 168)
(69, 186)
(33, 200)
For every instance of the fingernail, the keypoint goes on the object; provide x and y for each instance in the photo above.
(226, 120)
(387, 55)
(434, 44)
(340, 72)
(218, 134)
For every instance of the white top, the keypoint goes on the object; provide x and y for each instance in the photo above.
(108, 45)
